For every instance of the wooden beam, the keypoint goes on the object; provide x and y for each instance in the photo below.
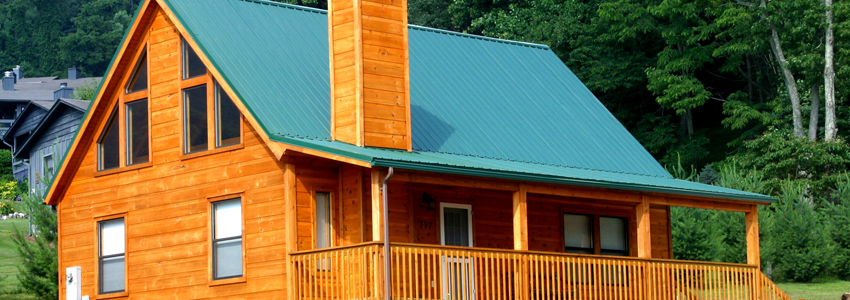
(581, 192)
(377, 209)
(520, 214)
(291, 224)
(644, 240)
(704, 204)
(454, 180)
(287, 148)
(752, 223)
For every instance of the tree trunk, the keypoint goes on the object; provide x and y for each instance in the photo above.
(813, 119)
(790, 82)
(829, 77)
(690, 123)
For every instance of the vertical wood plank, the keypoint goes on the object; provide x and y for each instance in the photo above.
(752, 223)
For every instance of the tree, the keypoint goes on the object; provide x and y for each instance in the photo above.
(38, 274)
(100, 26)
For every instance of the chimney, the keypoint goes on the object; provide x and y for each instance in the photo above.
(19, 74)
(370, 89)
(63, 92)
(74, 73)
(9, 81)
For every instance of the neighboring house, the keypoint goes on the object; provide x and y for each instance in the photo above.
(49, 140)
(241, 149)
(24, 102)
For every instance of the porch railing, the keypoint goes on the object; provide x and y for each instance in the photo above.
(457, 273)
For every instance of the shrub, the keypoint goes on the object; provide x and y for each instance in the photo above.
(795, 241)
(9, 190)
(6, 208)
(693, 236)
(838, 218)
(37, 273)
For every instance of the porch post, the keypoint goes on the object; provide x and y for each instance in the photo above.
(291, 226)
(377, 232)
(520, 214)
(644, 242)
(752, 223)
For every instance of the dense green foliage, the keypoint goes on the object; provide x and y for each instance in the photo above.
(37, 272)
(6, 165)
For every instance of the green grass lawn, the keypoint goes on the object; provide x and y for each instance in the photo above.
(9, 258)
(826, 290)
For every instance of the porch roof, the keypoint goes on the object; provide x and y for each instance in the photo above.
(508, 169)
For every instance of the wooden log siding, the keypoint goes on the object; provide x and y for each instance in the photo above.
(423, 272)
(166, 203)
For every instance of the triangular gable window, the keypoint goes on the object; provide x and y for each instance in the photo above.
(192, 64)
(107, 145)
(139, 81)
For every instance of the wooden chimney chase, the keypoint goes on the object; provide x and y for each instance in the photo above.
(370, 82)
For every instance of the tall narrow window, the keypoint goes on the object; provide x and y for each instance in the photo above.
(227, 127)
(137, 132)
(578, 236)
(323, 220)
(111, 256)
(227, 239)
(139, 80)
(195, 115)
(613, 236)
(192, 64)
(107, 146)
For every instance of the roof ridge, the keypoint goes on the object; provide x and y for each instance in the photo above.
(287, 5)
(412, 26)
(478, 37)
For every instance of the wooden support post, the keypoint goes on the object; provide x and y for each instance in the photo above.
(520, 216)
(520, 212)
(644, 241)
(377, 231)
(752, 223)
(291, 227)
(377, 209)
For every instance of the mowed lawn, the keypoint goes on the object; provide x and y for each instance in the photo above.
(827, 290)
(9, 258)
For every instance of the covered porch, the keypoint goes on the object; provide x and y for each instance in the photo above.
(460, 237)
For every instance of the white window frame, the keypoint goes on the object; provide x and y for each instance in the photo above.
(467, 207)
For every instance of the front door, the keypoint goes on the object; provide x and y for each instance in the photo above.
(458, 271)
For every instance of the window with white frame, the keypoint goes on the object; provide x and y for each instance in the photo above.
(111, 263)
(227, 239)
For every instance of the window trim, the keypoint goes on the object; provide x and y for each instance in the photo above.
(212, 123)
(120, 102)
(127, 157)
(183, 60)
(210, 255)
(44, 165)
(97, 221)
(625, 212)
(628, 251)
(442, 230)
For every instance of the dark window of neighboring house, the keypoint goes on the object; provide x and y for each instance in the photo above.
(111, 256)
(195, 118)
(107, 145)
(228, 129)
(227, 238)
(192, 64)
(137, 132)
(578, 234)
(48, 167)
(614, 236)
(139, 81)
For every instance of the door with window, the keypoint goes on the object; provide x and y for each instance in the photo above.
(458, 272)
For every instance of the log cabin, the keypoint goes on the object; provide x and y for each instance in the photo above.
(256, 150)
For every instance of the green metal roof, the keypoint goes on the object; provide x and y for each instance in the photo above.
(486, 106)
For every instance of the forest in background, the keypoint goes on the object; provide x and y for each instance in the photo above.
(747, 94)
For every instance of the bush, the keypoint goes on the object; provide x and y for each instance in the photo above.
(6, 208)
(693, 235)
(795, 240)
(838, 218)
(9, 190)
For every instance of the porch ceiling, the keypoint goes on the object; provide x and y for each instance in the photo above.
(514, 170)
